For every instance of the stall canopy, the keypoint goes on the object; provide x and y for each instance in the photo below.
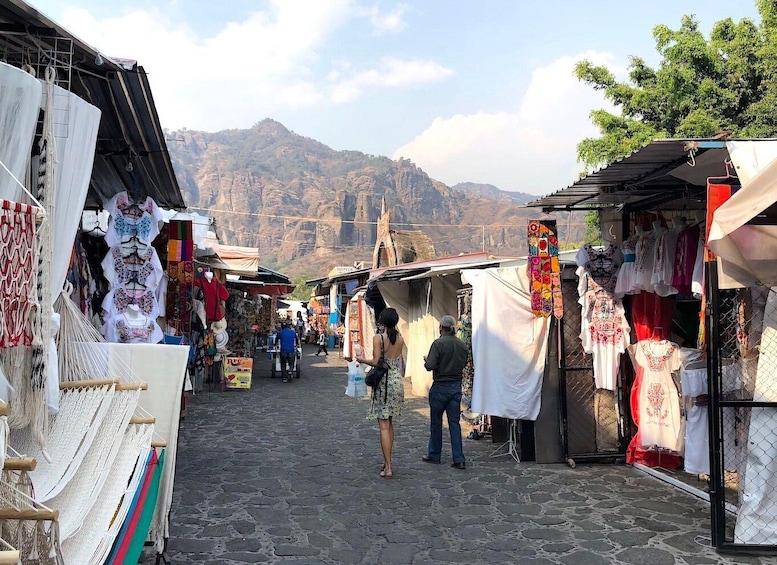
(240, 260)
(666, 174)
(744, 229)
(673, 174)
(131, 151)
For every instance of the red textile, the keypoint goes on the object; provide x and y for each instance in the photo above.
(648, 312)
(685, 259)
(215, 293)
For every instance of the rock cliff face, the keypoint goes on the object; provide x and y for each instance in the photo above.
(307, 206)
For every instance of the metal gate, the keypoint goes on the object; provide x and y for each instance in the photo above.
(742, 361)
(592, 419)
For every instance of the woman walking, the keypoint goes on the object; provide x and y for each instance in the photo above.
(387, 401)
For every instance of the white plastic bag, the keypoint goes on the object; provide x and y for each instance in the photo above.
(356, 387)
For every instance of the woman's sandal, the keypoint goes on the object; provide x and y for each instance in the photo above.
(386, 475)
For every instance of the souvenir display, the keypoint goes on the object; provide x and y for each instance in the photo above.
(544, 271)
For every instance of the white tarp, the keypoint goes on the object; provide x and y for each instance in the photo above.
(748, 253)
(420, 305)
(163, 367)
(509, 344)
(76, 138)
(242, 259)
(20, 100)
(757, 516)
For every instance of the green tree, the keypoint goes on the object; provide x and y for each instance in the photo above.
(702, 87)
(301, 290)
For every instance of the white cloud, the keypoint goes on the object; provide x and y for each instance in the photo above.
(391, 73)
(532, 149)
(388, 22)
(258, 67)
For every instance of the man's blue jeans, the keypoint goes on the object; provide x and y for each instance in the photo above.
(287, 360)
(445, 397)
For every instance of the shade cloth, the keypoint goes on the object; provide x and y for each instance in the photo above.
(509, 344)
(163, 367)
(20, 100)
(748, 253)
(421, 304)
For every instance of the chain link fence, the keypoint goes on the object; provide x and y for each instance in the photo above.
(743, 412)
(591, 416)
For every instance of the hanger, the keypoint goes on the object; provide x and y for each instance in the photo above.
(730, 173)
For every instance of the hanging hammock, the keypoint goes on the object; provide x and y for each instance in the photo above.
(92, 543)
(28, 525)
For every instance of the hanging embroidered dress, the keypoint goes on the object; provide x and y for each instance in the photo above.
(604, 332)
(645, 257)
(658, 401)
(627, 274)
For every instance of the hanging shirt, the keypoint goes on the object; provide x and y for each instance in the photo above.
(214, 293)
(660, 423)
(132, 219)
(124, 271)
(123, 329)
(604, 331)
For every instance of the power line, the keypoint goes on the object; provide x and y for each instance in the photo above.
(362, 222)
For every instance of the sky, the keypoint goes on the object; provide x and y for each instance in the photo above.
(469, 91)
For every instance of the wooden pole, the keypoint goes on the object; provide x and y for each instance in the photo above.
(138, 420)
(20, 464)
(28, 514)
(88, 384)
(132, 386)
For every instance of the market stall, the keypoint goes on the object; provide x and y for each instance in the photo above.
(95, 141)
(698, 325)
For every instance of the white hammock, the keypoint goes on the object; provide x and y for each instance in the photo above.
(71, 433)
(80, 494)
(92, 543)
(31, 527)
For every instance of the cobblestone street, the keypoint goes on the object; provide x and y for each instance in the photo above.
(288, 473)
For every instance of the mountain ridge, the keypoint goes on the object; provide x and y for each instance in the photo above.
(307, 206)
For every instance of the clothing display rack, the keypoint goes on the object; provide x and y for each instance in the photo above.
(511, 444)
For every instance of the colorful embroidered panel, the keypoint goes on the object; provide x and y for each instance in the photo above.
(543, 269)
(180, 272)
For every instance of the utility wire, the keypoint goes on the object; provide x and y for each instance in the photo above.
(362, 222)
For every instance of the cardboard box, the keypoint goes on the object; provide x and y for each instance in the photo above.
(237, 372)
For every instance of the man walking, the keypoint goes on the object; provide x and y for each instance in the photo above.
(288, 350)
(447, 358)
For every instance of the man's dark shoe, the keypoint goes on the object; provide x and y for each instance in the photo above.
(426, 459)
(461, 466)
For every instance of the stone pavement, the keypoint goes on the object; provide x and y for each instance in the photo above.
(288, 473)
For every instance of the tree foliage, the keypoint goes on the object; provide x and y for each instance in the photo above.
(702, 87)
(301, 290)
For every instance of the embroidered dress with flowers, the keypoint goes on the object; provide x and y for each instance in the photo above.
(543, 269)
(604, 332)
(660, 422)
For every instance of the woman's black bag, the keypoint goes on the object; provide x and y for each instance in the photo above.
(375, 376)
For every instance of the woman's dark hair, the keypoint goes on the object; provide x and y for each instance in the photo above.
(389, 318)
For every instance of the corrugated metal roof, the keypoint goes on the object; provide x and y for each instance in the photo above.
(129, 132)
(646, 178)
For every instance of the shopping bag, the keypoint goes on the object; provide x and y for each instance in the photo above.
(356, 387)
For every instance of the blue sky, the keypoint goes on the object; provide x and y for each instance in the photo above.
(469, 91)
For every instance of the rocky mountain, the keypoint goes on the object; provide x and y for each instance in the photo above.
(308, 207)
(494, 193)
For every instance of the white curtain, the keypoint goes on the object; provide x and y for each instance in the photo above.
(748, 253)
(20, 102)
(509, 345)
(163, 367)
(76, 137)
